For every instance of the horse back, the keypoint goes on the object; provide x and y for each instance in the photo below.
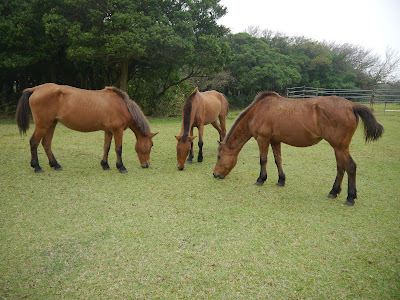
(214, 105)
(79, 109)
(305, 122)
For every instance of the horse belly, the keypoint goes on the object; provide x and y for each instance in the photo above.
(83, 122)
(298, 136)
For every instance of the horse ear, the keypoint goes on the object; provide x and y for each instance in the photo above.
(191, 138)
(178, 137)
(153, 135)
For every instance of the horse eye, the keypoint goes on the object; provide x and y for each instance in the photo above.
(218, 156)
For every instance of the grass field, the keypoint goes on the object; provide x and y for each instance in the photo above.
(85, 233)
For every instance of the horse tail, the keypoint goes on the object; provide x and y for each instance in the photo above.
(372, 129)
(23, 113)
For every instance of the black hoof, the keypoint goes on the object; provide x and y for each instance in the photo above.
(199, 159)
(349, 203)
(332, 196)
(259, 183)
(59, 168)
(39, 170)
(280, 184)
(123, 170)
(189, 161)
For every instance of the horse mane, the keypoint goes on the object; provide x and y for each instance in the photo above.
(186, 113)
(260, 96)
(134, 110)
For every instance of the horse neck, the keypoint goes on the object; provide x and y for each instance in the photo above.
(239, 136)
(136, 130)
(189, 118)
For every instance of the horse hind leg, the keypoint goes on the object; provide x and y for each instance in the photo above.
(219, 129)
(34, 143)
(276, 148)
(46, 142)
(344, 163)
(200, 144)
(107, 144)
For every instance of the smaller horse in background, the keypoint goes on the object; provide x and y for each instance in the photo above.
(109, 110)
(198, 110)
(272, 120)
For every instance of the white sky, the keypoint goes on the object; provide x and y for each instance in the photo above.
(373, 24)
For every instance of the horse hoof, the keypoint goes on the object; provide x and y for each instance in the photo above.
(280, 184)
(349, 203)
(332, 196)
(123, 171)
(200, 159)
(189, 161)
(58, 169)
(259, 183)
(39, 171)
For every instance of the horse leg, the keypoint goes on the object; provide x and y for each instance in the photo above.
(345, 163)
(118, 149)
(263, 145)
(107, 145)
(34, 143)
(200, 143)
(191, 155)
(222, 121)
(46, 142)
(218, 127)
(276, 148)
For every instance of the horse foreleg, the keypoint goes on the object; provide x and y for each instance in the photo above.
(118, 150)
(46, 142)
(263, 146)
(191, 155)
(34, 143)
(200, 143)
(107, 145)
(276, 148)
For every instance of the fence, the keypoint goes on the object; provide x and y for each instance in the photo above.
(386, 96)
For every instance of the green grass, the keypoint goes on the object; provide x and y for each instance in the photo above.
(163, 233)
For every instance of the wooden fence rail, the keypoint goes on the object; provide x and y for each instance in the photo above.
(386, 96)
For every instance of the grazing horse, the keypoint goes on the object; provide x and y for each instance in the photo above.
(272, 119)
(198, 110)
(109, 109)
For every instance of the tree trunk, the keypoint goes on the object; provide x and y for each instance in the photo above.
(124, 74)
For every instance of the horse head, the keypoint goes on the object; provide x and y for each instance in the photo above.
(143, 147)
(183, 149)
(226, 160)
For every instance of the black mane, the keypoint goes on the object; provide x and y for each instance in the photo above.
(186, 112)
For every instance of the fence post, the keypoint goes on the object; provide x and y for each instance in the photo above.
(287, 93)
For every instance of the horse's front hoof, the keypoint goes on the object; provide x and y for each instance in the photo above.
(259, 183)
(280, 184)
(199, 159)
(332, 196)
(123, 171)
(39, 170)
(349, 203)
(58, 168)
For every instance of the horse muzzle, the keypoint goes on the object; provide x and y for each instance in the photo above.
(219, 176)
(145, 165)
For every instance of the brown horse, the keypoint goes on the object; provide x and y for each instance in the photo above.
(272, 119)
(109, 109)
(198, 110)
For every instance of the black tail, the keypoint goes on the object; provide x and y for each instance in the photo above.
(372, 129)
(23, 111)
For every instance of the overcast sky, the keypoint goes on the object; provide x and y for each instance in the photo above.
(373, 24)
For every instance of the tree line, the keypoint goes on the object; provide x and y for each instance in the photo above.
(158, 51)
